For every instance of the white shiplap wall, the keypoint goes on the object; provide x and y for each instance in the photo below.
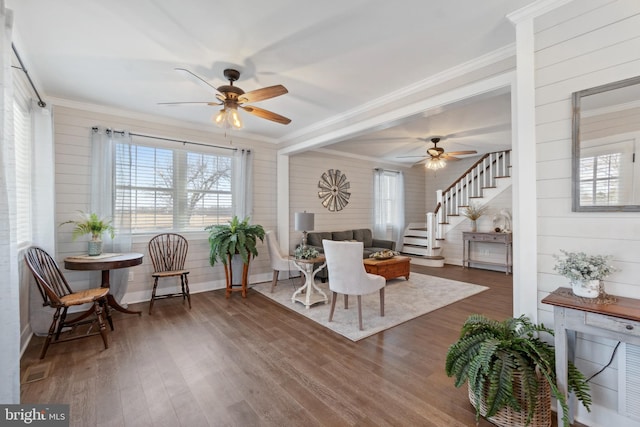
(305, 171)
(580, 45)
(72, 157)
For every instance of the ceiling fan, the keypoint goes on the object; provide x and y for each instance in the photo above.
(232, 97)
(436, 156)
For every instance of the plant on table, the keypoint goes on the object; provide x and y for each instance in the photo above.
(490, 354)
(91, 223)
(305, 252)
(474, 211)
(578, 266)
(235, 237)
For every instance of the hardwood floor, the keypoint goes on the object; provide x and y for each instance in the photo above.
(250, 362)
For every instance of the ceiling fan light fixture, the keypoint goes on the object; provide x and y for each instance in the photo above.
(435, 164)
(228, 117)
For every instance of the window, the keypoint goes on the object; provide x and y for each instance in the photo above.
(160, 189)
(388, 196)
(22, 135)
(606, 174)
(388, 209)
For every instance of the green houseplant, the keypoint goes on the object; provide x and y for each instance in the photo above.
(91, 223)
(491, 355)
(234, 238)
(584, 271)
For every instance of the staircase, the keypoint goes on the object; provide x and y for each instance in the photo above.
(423, 241)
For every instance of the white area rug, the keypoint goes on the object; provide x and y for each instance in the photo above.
(404, 300)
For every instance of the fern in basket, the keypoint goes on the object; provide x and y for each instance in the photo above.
(489, 353)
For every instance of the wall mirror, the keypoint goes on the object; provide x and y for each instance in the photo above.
(606, 136)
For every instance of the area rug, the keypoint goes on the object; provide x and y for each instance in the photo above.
(404, 300)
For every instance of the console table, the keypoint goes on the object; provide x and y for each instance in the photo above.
(619, 321)
(505, 239)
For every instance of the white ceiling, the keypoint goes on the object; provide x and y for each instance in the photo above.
(333, 56)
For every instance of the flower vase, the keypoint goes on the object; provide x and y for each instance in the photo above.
(474, 226)
(586, 288)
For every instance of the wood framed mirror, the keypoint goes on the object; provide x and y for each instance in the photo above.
(606, 136)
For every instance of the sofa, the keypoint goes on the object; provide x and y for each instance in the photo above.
(364, 235)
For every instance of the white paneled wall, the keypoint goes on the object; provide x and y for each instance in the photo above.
(72, 157)
(305, 171)
(578, 46)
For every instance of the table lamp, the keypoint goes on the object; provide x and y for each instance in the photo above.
(304, 223)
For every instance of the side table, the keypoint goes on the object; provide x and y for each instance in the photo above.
(306, 267)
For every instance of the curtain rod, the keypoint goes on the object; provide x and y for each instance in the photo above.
(41, 103)
(95, 129)
(385, 170)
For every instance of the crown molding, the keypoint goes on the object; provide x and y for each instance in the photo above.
(375, 160)
(535, 9)
(121, 112)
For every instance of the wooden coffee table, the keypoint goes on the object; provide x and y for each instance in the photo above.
(397, 266)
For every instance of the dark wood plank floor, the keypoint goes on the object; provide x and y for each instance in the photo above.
(252, 362)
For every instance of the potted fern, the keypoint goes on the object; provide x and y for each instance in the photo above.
(510, 371)
(234, 239)
(91, 223)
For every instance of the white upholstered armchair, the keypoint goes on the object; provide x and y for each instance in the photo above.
(347, 275)
(278, 261)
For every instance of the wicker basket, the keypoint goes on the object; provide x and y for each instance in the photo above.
(507, 417)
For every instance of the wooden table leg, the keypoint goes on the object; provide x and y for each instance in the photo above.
(111, 300)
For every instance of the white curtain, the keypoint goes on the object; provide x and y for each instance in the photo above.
(379, 211)
(104, 203)
(399, 223)
(42, 194)
(43, 180)
(10, 295)
(388, 205)
(242, 184)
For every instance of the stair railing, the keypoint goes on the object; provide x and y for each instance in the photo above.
(432, 229)
(482, 174)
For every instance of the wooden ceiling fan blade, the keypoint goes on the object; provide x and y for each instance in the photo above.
(264, 93)
(187, 102)
(449, 157)
(456, 153)
(190, 75)
(265, 114)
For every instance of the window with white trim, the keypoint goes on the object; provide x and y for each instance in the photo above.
(171, 189)
(22, 138)
(606, 173)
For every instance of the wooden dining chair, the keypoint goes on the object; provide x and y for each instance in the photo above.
(57, 293)
(168, 252)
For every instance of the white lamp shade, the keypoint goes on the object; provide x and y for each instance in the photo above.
(304, 221)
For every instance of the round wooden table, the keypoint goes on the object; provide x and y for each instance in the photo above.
(106, 263)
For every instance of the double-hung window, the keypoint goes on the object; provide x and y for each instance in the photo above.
(159, 188)
(606, 173)
(23, 158)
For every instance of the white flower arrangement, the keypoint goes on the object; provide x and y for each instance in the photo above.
(578, 266)
(305, 252)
